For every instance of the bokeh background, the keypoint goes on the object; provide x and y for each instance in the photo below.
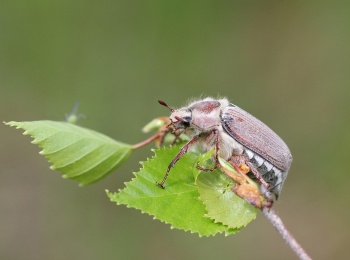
(286, 62)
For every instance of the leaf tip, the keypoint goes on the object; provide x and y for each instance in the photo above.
(83, 184)
(11, 123)
(109, 194)
(52, 167)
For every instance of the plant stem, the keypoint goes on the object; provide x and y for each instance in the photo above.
(276, 221)
(145, 142)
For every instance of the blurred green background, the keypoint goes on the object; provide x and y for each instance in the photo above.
(287, 63)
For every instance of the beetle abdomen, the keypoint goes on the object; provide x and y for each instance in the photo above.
(272, 175)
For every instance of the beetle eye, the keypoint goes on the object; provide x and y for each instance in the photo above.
(187, 119)
(183, 122)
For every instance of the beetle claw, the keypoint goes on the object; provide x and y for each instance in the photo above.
(160, 185)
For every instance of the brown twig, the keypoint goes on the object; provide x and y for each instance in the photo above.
(147, 141)
(276, 221)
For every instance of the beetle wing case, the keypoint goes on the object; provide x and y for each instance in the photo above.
(256, 136)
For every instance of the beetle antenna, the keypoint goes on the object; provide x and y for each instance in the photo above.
(166, 105)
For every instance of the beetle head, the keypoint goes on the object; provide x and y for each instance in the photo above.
(180, 118)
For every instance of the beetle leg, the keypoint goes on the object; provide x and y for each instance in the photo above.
(183, 151)
(160, 139)
(176, 137)
(258, 175)
(264, 187)
(216, 136)
(163, 131)
(206, 169)
(242, 164)
(244, 187)
(276, 195)
(239, 162)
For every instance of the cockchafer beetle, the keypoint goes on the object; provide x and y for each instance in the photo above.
(238, 137)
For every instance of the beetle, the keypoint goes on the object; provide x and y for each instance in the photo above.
(237, 137)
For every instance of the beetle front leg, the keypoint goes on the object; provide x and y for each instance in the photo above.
(183, 151)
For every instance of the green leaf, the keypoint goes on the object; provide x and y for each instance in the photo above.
(178, 203)
(222, 204)
(80, 154)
